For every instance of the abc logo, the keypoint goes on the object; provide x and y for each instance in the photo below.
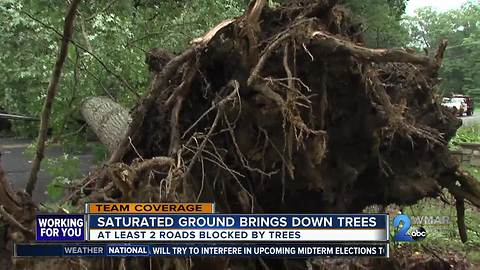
(419, 234)
(402, 223)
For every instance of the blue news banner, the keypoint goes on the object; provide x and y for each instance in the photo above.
(209, 235)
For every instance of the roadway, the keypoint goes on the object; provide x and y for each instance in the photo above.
(471, 120)
(17, 165)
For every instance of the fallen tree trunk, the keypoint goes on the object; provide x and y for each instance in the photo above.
(108, 120)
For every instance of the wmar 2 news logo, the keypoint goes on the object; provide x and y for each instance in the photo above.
(403, 223)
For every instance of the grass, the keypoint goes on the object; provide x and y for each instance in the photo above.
(474, 171)
(468, 134)
(446, 237)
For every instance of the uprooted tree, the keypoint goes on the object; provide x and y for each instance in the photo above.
(283, 110)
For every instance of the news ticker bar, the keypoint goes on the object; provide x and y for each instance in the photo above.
(207, 249)
(212, 227)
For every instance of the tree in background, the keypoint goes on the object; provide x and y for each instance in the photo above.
(109, 45)
(108, 52)
(111, 38)
(461, 67)
(381, 21)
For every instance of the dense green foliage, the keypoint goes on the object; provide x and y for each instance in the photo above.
(111, 38)
(461, 68)
(385, 25)
(381, 21)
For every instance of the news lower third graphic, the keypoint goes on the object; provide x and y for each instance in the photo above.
(236, 228)
(152, 229)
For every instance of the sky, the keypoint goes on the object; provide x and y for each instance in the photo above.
(440, 5)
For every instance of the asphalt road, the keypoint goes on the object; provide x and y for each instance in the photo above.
(17, 165)
(471, 120)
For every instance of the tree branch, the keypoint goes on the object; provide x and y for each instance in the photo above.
(331, 44)
(51, 91)
(11, 219)
(462, 229)
(463, 186)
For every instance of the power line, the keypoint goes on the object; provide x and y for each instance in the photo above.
(20, 117)
(463, 45)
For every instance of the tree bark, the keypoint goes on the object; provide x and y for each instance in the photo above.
(18, 213)
(462, 228)
(108, 120)
(14, 202)
(51, 91)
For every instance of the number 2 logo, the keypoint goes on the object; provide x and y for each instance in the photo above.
(402, 234)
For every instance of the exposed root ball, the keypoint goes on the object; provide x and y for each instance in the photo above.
(281, 110)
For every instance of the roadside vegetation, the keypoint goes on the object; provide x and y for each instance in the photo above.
(442, 239)
(466, 134)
